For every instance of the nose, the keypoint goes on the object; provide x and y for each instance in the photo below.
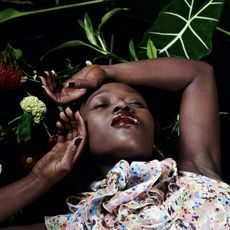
(122, 106)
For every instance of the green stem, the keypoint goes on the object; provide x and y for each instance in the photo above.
(47, 130)
(222, 30)
(223, 113)
(15, 119)
(33, 80)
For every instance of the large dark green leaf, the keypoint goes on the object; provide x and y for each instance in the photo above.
(183, 29)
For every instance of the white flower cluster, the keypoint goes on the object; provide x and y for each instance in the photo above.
(0, 168)
(35, 107)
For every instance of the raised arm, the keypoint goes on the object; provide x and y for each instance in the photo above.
(199, 146)
(50, 169)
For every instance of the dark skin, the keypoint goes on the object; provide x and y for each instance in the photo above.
(199, 145)
(126, 139)
(50, 169)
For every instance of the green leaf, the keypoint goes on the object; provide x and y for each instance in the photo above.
(71, 44)
(108, 15)
(110, 56)
(89, 30)
(101, 39)
(24, 129)
(81, 23)
(151, 50)
(17, 53)
(132, 50)
(11, 13)
(182, 29)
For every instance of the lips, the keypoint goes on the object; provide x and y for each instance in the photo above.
(124, 118)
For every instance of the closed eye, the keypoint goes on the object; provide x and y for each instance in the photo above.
(137, 104)
(100, 106)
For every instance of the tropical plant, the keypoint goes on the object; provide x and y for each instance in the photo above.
(179, 28)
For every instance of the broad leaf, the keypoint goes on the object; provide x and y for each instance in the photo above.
(24, 128)
(182, 29)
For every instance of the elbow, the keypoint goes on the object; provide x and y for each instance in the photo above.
(205, 70)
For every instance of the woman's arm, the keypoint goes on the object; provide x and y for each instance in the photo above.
(50, 169)
(199, 146)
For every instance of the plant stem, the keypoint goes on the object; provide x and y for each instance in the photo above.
(222, 30)
(47, 130)
(15, 119)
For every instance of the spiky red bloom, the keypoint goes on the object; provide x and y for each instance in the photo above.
(10, 76)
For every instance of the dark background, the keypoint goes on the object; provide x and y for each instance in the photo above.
(37, 34)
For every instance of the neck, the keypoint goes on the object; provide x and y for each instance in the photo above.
(105, 164)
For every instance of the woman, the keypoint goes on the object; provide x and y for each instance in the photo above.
(120, 129)
(139, 192)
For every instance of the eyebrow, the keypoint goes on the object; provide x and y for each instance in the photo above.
(95, 94)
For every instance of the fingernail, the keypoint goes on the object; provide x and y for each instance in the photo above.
(71, 85)
(78, 141)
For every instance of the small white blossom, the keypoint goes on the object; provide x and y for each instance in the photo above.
(0, 168)
(35, 107)
(88, 63)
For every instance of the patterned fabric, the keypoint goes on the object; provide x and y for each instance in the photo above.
(148, 195)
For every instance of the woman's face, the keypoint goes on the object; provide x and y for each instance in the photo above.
(119, 123)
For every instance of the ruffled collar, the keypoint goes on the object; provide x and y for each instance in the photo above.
(128, 191)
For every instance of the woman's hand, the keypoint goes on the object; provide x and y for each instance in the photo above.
(63, 156)
(75, 87)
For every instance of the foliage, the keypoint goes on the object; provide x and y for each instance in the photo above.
(179, 28)
(95, 37)
(191, 28)
(11, 13)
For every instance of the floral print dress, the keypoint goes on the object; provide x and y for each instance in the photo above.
(148, 195)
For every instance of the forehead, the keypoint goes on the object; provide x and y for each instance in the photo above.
(112, 88)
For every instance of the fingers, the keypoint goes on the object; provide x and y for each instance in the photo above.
(73, 125)
(81, 125)
(89, 77)
(72, 135)
(61, 132)
(71, 94)
(80, 83)
(73, 151)
(77, 133)
(48, 80)
(49, 84)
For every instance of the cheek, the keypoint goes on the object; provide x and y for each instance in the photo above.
(149, 128)
(97, 132)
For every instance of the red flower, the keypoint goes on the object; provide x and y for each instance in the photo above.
(10, 76)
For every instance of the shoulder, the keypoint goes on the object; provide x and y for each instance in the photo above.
(204, 183)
